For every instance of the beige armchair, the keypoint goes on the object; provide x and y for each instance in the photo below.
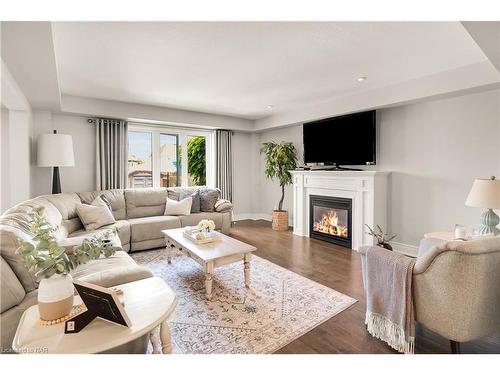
(456, 289)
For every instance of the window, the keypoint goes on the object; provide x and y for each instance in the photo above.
(197, 173)
(140, 172)
(169, 160)
(161, 156)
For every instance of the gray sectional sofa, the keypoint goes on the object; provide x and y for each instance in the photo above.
(139, 222)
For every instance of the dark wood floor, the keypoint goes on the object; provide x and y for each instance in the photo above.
(338, 268)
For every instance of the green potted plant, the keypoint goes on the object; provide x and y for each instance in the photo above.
(280, 160)
(50, 262)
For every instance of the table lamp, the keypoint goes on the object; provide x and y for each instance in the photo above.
(55, 150)
(486, 194)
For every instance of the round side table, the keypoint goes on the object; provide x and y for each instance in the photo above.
(148, 303)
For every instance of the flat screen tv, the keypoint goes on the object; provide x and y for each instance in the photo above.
(343, 140)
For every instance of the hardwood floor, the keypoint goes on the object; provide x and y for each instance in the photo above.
(338, 268)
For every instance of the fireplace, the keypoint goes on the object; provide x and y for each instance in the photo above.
(330, 219)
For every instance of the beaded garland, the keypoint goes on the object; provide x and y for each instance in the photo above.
(77, 309)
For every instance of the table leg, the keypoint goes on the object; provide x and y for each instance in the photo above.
(209, 269)
(246, 269)
(170, 251)
(166, 339)
(154, 337)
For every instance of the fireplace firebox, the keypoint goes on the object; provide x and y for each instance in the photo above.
(330, 219)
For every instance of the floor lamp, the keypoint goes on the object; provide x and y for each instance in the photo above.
(55, 150)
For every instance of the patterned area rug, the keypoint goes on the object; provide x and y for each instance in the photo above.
(279, 307)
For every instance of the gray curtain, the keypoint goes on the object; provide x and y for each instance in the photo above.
(224, 163)
(111, 154)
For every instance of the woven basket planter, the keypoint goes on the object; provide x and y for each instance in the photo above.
(280, 220)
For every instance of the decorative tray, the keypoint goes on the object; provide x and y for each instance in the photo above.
(191, 234)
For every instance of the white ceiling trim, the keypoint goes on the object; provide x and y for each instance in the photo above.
(150, 114)
(455, 81)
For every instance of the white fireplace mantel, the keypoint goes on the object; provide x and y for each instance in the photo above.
(366, 189)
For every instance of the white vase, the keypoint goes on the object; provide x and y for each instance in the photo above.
(55, 296)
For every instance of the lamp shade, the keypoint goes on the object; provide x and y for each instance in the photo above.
(484, 194)
(55, 150)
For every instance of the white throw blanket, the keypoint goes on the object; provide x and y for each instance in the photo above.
(387, 278)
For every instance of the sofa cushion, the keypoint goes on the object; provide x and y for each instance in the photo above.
(118, 259)
(208, 198)
(223, 205)
(145, 202)
(9, 239)
(121, 226)
(19, 215)
(76, 238)
(115, 197)
(176, 191)
(149, 228)
(148, 244)
(9, 321)
(194, 219)
(196, 204)
(117, 275)
(176, 208)
(11, 290)
(66, 204)
(96, 215)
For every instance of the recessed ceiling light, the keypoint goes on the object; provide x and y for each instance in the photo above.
(270, 106)
(361, 79)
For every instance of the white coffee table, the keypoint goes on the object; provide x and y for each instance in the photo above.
(212, 255)
(148, 303)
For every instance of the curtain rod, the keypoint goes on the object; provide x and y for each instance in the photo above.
(91, 120)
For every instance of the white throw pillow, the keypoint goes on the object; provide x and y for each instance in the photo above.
(95, 215)
(174, 208)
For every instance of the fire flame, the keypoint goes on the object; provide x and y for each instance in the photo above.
(329, 224)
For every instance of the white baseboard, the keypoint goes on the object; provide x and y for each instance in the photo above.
(238, 217)
(406, 249)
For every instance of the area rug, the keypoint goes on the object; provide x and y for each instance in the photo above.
(279, 307)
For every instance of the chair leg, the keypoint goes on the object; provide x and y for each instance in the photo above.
(455, 347)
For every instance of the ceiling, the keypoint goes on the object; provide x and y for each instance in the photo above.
(241, 68)
(248, 76)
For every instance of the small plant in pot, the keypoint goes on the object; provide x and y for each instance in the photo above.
(383, 239)
(281, 158)
(51, 264)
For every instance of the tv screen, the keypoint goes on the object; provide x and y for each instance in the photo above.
(347, 140)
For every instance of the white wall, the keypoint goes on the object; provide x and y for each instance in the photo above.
(81, 177)
(5, 165)
(16, 155)
(434, 149)
(246, 172)
(16, 121)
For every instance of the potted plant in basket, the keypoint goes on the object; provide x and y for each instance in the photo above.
(50, 262)
(280, 160)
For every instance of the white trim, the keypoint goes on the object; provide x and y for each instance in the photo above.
(405, 249)
(248, 216)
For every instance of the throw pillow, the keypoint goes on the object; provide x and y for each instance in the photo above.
(108, 203)
(208, 198)
(174, 208)
(223, 205)
(195, 207)
(95, 215)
